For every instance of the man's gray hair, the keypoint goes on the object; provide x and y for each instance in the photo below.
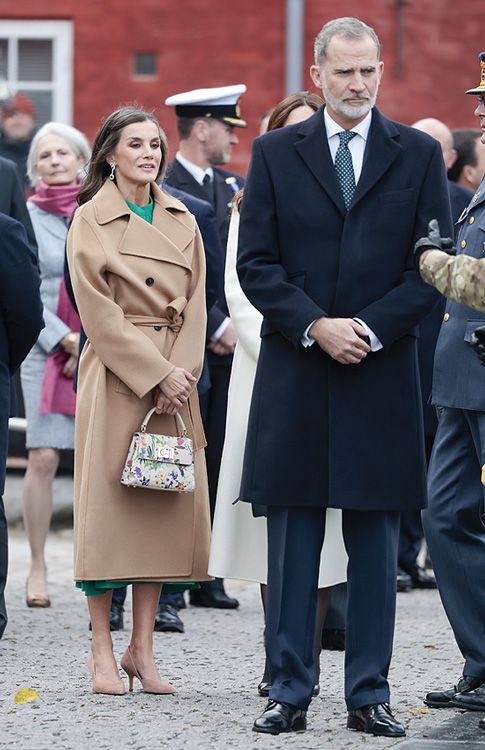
(350, 28)
(76, 140)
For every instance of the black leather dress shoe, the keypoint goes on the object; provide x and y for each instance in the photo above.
(420, 579)
(473, 700)
(377, 719)
(333, 639)
(167, 620)
(403, 581)
(115, 617)
(215, 599)
(280, 717)
(443, 698)
(265, 687)
(481, 724)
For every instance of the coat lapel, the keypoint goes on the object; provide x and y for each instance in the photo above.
(312, 145)
(165, 239)
(381, 150)
(223, 197)
(181, 178)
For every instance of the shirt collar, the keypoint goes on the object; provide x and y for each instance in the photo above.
(197, 172)
(333, 128)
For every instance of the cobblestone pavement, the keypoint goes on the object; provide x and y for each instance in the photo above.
(215, 666)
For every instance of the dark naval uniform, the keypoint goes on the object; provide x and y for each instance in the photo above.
(453, 521)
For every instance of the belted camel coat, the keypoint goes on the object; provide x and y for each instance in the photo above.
(140, 293)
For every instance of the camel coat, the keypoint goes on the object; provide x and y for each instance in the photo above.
(140, 293)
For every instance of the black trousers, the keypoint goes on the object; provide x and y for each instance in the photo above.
(3, 566)
(295, 538)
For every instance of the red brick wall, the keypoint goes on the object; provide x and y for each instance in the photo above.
(442, 39)
(218, 42)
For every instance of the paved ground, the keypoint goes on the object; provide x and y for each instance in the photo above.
(215, 666)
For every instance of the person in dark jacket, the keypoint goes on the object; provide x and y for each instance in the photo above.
(20, 324)
(332, 209)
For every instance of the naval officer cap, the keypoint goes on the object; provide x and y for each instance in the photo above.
(221, 102)
(480, 89)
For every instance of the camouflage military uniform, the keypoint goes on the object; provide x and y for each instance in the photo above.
(459, 278)
(452, 522)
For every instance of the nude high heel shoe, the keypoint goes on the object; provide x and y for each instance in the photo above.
(39, 598)
(149, 685)
(102, 684)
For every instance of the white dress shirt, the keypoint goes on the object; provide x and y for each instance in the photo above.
(357, 148)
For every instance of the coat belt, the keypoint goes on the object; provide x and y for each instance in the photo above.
(152, 321)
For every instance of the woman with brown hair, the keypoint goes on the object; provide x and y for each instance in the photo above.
(137, 267)
(239, 546)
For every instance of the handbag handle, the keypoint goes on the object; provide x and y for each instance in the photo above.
(180, 422)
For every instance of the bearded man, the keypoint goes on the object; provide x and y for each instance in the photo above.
(331, 211)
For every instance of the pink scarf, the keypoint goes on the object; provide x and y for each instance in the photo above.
(56, 199)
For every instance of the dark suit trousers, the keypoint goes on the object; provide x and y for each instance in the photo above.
(295, 537)
(454, 525)
(3, 566)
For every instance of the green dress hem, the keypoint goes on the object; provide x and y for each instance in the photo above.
(94, 588)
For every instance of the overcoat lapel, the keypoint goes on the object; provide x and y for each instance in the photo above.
(312, 145)
(184, 180)
(164, 239)
(381, 150)
(223, 197)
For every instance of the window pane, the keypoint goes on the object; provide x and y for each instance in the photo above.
(35, 59)
(145, 64)
(3, 58)
(42, 101)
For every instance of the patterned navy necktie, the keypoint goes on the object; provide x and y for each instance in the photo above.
(344, 166)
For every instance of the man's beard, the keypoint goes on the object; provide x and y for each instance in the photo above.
(350, 111)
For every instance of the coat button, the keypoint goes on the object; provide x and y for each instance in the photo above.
(471, 219)
(149, 281)
(157, 328)
(446, 317)
(462, 245)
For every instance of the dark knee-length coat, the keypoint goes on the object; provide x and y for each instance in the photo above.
(321, 433)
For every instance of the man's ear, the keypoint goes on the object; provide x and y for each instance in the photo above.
(201, 130)
(316, 76)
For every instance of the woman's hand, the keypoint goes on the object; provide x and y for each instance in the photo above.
(69, 369)
(162, 404)
(177, 387)
(70, 343)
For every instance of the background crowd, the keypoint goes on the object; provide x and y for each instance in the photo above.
(135, 252)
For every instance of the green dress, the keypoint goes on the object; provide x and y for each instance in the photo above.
(92, 588)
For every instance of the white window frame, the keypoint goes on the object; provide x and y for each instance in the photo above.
(61, 34)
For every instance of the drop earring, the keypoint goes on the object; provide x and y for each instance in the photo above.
(112, 175)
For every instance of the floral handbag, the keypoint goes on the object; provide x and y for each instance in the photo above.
(160, 462)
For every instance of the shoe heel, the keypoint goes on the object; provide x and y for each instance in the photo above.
(299, 725)
(353, 723)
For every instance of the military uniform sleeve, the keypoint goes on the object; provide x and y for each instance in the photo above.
(120, 345)
(460, 278)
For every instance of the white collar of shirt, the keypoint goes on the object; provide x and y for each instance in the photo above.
(356, 145)
(197, 172)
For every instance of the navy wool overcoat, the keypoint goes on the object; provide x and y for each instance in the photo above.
(321, 433)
